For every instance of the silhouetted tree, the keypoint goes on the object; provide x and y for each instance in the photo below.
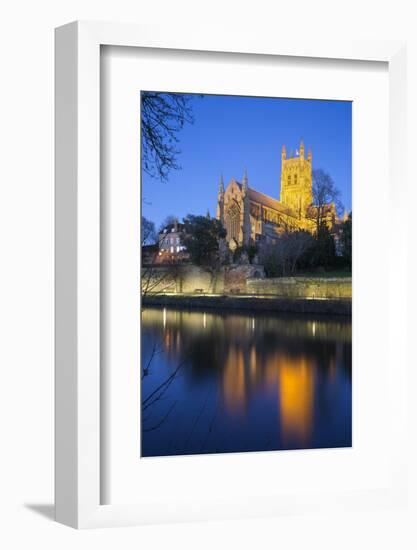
(148, 233)
(169, 220)
(155, 279)
(325, 193)
(346, 240)
(323, 254)
(251, 250)
(202, 239)
(291, 251)
(163, 115)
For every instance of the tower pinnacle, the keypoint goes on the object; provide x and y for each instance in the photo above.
(245, 181)
(220, 201)
(221, 185)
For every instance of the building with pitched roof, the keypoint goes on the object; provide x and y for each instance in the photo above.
(251, 217)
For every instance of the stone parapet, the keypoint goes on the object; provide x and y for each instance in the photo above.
(241, 279)
(301, 287)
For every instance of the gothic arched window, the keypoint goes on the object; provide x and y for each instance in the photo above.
(233, 222)
(289, 180)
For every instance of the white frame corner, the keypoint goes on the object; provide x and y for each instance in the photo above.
(77, 227)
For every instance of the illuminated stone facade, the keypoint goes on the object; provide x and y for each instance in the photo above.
(297, 182)
(250, 216)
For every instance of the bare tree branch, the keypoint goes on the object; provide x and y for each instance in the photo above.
(157, 394)
(156, 426)
(326, 197)
(163, 115)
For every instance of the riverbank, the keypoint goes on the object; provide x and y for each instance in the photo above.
(243, 280)
(340, 306)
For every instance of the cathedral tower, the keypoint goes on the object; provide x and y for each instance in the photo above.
(296, 181)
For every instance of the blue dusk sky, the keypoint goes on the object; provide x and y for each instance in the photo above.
(231, 133)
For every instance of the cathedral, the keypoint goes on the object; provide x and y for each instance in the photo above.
(251, 217)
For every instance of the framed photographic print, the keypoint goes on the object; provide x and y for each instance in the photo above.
(220, 345)
(263, 360)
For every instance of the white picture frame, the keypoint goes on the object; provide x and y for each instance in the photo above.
(78, 321)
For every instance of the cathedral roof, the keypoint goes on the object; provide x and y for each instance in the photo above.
(266, 200)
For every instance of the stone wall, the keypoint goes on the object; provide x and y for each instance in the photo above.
(301, 287)
(191, 279)
(242, 279)
(186, 279)
(236, 277)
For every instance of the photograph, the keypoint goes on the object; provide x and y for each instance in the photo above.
(246, 273)
(206, 342)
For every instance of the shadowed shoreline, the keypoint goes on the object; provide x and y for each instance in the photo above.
(342, 306)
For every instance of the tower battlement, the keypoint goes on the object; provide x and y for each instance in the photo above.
(296, 180)
(251, 217)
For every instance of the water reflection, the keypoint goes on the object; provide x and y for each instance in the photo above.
(237, 382)
(296, 384)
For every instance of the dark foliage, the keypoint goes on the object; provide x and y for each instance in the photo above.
(202, 238)
(250, 250)
(291, 252)
(346, 241)
(323, 254)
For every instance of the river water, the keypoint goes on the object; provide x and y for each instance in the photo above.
(225, 381)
